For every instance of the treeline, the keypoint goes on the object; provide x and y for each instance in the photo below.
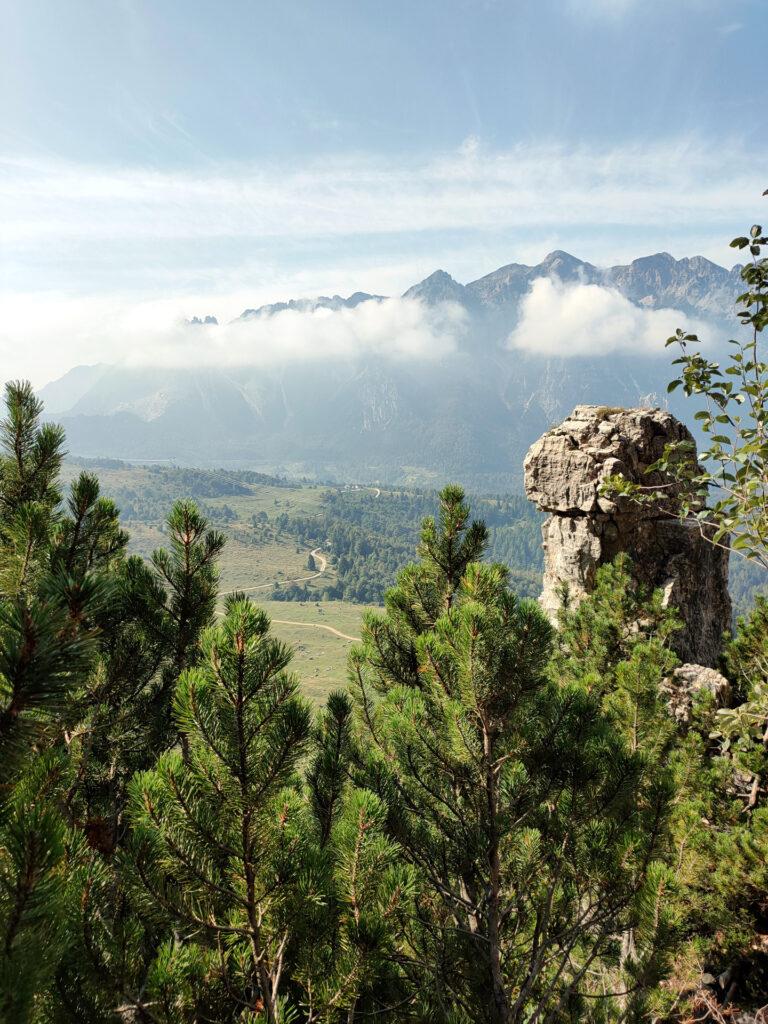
(370, 538)
(497, 824)
(746, 583)
(152, 497)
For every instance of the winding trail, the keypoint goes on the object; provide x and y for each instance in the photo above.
(317, 553)
(318, 625)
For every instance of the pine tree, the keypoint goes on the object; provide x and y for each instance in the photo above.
(514, 797)
(214, 841)
(349, 957)
(90, 647)
(150, 629)
(51, 588)
(707, 897)
(721, 829)
(189, 572)
(280, 906)
(32, 454)
(616, 644)
(424, 592)
(608, 629)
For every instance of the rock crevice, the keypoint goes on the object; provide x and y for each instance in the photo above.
(564, 474)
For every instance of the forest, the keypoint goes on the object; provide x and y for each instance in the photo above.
(491, 820)
(369, 539)
(368, 534)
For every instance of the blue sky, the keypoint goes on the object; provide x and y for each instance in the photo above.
(163, 158)
(174, 84)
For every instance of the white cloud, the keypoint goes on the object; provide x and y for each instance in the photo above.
(42, 339)
(87, 251)
(470, 147)
(588, 320)
(394, 329)
(673, 183)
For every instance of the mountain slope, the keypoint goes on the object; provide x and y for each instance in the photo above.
(470, 415)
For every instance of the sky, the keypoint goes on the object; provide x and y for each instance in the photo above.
(164, 159)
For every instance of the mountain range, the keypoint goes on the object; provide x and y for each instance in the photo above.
(470, 414)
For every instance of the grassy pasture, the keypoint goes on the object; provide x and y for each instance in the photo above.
(254, 565)
(320, 656)
(246, 567)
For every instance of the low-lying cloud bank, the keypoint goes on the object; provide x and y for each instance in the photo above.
(391, 328)
(588, 320)
(43, 340)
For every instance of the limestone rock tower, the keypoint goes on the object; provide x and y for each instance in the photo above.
(564, 471)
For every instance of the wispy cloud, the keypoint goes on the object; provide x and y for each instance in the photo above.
(588, 320)
(87, 251)
(668, 183)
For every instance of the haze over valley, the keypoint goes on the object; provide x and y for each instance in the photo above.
(383, 512)
(447, 380)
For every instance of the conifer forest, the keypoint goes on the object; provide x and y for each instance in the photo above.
(492, 818)
(383, 512)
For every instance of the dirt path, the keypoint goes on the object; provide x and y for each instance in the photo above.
(318, 625)
(317, 553)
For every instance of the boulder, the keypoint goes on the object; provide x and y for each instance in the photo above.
(689, 680)
(564, 473)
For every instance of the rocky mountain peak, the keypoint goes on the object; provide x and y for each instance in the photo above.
(564, 267)
(309, 305)
(658, 259)
(693, 285)
(559, 261)
(197, 321)
(438, 287)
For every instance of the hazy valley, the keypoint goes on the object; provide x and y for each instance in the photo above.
(468, 410)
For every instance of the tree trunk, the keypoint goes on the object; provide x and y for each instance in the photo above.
(500, 1009)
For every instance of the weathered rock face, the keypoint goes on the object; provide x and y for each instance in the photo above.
(564, 471)
(686, 682)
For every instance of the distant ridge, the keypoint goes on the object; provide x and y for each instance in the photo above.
(471, 415)
(692, 284)
(309, 305)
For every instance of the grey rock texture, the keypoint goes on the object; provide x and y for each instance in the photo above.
(439, 287)
(564, 472)
(689, 680)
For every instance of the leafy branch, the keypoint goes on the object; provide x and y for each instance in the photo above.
(727, 491)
